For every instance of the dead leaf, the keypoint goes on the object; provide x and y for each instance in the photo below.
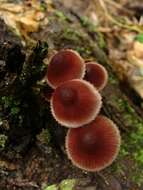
(24, 18)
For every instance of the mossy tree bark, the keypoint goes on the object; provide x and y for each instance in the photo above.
(27, 162)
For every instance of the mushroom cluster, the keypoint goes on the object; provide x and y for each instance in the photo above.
(93, 141)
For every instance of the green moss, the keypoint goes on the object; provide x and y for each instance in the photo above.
(43, 6)
(70, 34)
(67, 184)
(15, 110)
(44, 136)
(3, 139)
(92, 29)
(10, 104)
(51, 187)
(88, 24)
(101, 41)
(117, 168)
(123, 151)
(6, 101)
(137, 178)
(139, 38)
(113, 80)
(76, 40)
(132, 141)
(60, 15)
(124, 105)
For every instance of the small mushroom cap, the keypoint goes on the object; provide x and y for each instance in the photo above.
(65, 65)
(96, 74)
(94, 146)
(75, 103)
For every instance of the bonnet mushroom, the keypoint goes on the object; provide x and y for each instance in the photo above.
(96, 74)
(65, 65)
(94, 146)
(75, 103)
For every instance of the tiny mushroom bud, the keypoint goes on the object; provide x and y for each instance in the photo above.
(65, 65)
(96, 74)
(94, 146)
(75, 103)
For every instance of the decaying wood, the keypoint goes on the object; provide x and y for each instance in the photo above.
(35, 163)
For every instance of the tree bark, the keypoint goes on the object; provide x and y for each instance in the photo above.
(28, 162)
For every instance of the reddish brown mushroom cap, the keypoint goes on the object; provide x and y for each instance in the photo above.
(96, 74)
(75, 103)
(65, 65)
(94, 146)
